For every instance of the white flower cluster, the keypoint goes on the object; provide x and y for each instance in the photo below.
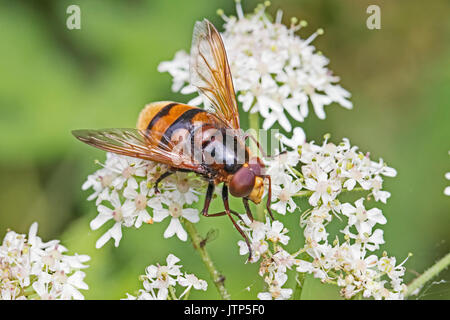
(265, 242)
(326, 171)
(33, 269)
(275, 72)
(124, 189)
(160, 282)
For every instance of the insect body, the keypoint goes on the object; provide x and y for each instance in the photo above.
(191, 139)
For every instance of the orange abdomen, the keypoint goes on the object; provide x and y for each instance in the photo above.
(164, 119)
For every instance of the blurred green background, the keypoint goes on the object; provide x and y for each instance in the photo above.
(54, 80)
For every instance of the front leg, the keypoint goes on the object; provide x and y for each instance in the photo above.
(161, 177)
(228, 212)
(269, 197)
(209, 194)
(247, 209)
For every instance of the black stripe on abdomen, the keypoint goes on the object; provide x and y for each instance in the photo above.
(184, 121)
(161, 113)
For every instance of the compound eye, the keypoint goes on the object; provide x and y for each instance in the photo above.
(242, 182)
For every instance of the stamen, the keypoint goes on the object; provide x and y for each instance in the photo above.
(311, 38)
(259, 10)
(409, 255)
(295, 27)
(239, 11)
(279, 16)
(221, 13)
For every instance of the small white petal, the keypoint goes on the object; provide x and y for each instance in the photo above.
(100, 220)
(175, 227)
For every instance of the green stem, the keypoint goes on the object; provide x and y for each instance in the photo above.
(28, 291)
(172, 293)
(428, 275)
(253, 123)
(300, 281)
(186, 296)
(217, 278)
(357, 296)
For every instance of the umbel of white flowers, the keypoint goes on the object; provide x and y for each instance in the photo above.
(160, 282)
(33, 269)
(275, 72)
(327, 170)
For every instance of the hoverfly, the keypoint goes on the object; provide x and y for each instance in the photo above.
(212, 141)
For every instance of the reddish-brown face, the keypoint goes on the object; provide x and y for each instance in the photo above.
(243, 182)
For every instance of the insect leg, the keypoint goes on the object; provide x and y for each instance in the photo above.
(161, 177)
(277, 155)
(223, 213)
(227, 210)
(269, 196)
(209, 194)
(208, 198)
(247, 209)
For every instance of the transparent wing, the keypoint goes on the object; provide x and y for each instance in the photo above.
(138, 144)
(210, 73)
